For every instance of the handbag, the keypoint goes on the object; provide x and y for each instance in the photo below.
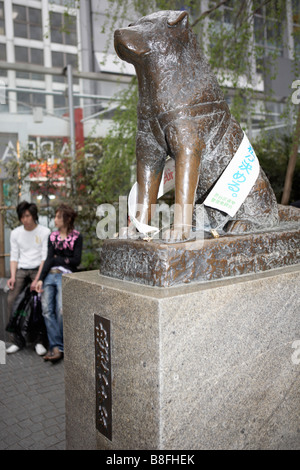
(27, 321)
(36, 325)
(19, 319)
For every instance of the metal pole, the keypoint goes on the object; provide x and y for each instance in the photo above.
(71, 109)
(72, 124)
(288, 183)
(2, 248)
(99, 76)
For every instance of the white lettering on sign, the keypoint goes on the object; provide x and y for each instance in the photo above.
(296, 94)
(9, 152)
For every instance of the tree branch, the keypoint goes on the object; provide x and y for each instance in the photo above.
(262, 5)
(208, 12)
(223, 2)
(292, 164)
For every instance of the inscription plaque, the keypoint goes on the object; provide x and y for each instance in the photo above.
(103, 376)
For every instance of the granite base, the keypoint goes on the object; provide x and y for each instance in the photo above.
(213, 365)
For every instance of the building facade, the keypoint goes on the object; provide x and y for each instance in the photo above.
(40, 36)
(49, 35)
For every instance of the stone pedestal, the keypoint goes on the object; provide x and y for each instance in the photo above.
(211, 365)
(162, 264)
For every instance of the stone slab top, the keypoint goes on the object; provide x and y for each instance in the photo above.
(94, 277)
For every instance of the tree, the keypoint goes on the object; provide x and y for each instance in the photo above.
(292, 164)
(274, 158)
(113, 177)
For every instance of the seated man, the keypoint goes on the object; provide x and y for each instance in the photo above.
(28, 245)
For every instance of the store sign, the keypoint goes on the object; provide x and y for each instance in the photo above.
(49, 149)
(57, 147)
(8, 151)
(47, 155)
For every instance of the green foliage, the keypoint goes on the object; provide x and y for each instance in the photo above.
(274, 155)
(113, 176)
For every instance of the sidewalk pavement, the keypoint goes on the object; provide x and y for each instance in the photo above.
(32, 403)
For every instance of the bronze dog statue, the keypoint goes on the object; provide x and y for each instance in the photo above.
(182, 113)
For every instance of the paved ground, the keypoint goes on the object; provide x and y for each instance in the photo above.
(32, 403)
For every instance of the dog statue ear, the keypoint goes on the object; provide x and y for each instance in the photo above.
(183, 15)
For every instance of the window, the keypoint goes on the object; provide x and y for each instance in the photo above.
(27, 22)
(61, 60)
(224, 14)
(221, 23)
(267, 31)
(2, 52)
(26, 101)
(3, 73)
(61, 106)
(28, 55)
(67, 3)
(63, 28)
(296, 25)
(2, 22)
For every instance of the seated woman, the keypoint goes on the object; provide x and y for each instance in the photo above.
(64, 256)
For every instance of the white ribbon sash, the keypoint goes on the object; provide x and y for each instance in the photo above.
(237, 180)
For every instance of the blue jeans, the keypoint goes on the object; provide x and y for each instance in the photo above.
(52, 310)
